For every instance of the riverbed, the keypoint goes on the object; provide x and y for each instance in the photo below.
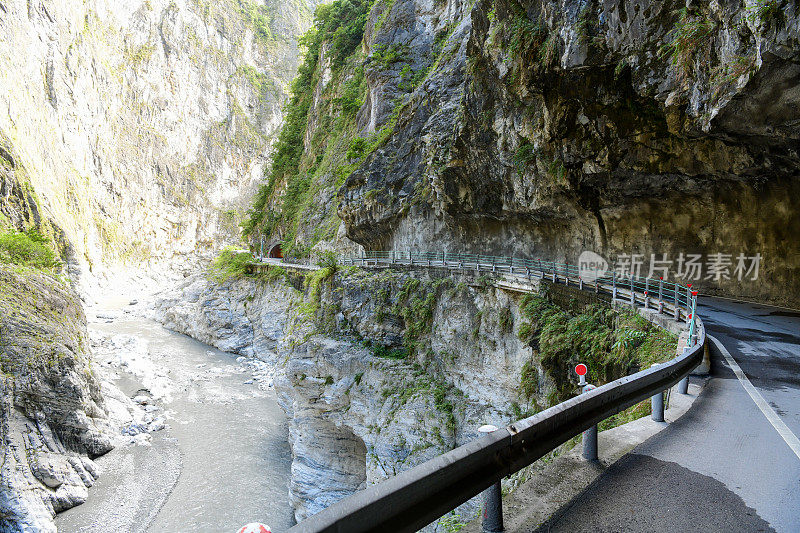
(223, 458)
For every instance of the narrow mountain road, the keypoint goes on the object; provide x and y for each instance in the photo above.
(732, 463)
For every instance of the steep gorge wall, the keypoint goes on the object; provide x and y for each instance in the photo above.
(546, 128)
(356, 418)
(142, 124)
(381, 371)
(56, 412)
(53, 415)
(573, 130)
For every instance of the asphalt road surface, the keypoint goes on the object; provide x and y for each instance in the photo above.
(731, 463)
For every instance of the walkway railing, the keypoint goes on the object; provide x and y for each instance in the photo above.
(674, 299)
(418, 496)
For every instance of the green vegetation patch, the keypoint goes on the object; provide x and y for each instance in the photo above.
(690, 39)
(229, 264)
(416, 303)
(29, 249)
(611, 343)
(313, 286)
(296, 173)
(41, 323)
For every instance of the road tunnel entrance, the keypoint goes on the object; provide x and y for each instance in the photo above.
(276, 252)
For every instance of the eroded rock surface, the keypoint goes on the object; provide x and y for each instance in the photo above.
(357, 418)
(543, 129)
(549, 128)
(237, 316)
(144, 125)
(53, 416)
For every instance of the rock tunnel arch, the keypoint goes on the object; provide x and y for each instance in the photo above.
(275, 251)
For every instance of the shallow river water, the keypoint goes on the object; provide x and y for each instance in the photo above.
(223, 459)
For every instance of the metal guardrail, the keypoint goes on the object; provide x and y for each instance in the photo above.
(666, 297)
(417, 497)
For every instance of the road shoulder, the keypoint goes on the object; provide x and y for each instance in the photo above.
(552, 486)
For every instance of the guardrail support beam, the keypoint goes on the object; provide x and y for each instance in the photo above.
(492, 521)
(683, 386)
(589, 436)
(657, 405)
(590, 444)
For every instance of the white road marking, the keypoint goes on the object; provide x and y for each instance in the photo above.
(773, 418)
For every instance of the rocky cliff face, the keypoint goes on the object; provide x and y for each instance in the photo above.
(53, 417)
(356, 418)
(56, 414)
(238, 316)
(546, 128)
(143, 123)
(381, 371)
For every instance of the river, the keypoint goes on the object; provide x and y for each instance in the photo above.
(223, 459)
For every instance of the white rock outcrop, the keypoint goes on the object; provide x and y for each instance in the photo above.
(146, 125)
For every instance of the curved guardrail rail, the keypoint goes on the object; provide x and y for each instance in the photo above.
(418, 496)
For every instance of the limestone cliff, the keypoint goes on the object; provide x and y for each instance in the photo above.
(359, 409)
(53, 418)
(381, 371)
(56, 414)
(143, 123)
(547, 127)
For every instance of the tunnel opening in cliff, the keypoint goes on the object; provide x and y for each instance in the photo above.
(276, 252)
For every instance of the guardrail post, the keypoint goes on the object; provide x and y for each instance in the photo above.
(677, 311)
(657, 405)
(589, 437)
(492, 521)
(683, 385)
(633, 293)
(493, 264)
(613, 286)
